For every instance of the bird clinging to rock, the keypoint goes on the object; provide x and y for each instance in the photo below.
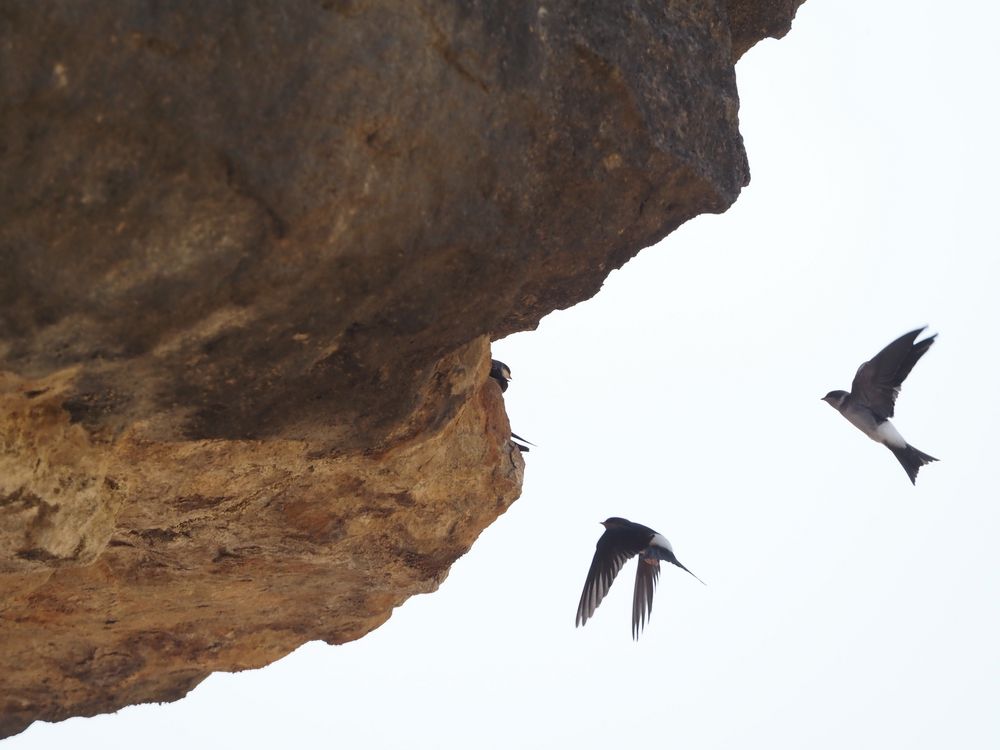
(622, 540)
(501, 374)
(873, 394)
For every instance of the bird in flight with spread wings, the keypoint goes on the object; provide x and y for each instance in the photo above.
(872, 399)
(621, 541)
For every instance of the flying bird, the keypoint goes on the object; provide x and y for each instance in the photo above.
(873, 398)
(621, 541)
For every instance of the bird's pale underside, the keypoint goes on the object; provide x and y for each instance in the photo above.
(872, 398)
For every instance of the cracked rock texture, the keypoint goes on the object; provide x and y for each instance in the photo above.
(251, 258)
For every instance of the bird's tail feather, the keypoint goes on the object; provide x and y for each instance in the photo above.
(678, 564)
(669, 556)
(912, 460)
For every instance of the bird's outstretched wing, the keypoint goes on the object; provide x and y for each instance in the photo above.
(646, 575)
(877, 382)
(614, 549)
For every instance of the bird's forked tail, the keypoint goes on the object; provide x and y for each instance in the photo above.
(911, 459)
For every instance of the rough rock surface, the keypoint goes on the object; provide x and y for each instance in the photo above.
(251, 257)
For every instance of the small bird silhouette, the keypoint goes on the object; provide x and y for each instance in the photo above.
(621, 541)
(501, 374)
(872, 399)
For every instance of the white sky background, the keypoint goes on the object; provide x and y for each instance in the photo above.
(844, 607)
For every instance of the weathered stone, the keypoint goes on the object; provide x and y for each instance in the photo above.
(752, 20)
(228, 554)
(251, 256)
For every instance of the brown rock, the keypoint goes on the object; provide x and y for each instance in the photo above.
(752, 20)
(251, 256)
(227, 554)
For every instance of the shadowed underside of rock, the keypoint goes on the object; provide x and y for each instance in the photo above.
(251, 258)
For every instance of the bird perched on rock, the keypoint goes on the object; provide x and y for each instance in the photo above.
(621, 541)
(873, 398)
(501, 373)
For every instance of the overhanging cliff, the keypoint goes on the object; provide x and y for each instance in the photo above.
(251, 259)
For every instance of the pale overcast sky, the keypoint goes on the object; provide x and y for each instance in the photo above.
(844, 607)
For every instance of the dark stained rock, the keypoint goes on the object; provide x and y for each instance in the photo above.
(251, 256)
(752, 20)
